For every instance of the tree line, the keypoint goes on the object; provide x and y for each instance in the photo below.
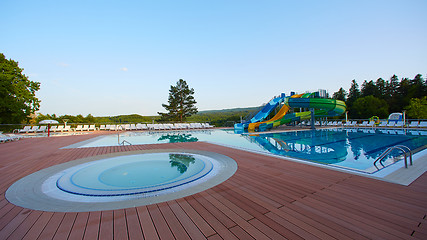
(382, 97)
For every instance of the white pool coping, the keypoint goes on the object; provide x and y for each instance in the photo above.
(29, 193)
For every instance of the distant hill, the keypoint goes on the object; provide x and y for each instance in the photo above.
(220, 118)
(233, 110)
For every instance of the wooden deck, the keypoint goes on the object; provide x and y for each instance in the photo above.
(267, 198)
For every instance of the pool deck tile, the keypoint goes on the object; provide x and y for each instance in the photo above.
(267, 198)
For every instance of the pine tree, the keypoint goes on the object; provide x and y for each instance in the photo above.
(181, 103)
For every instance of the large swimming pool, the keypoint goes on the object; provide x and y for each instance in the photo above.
(353, 149)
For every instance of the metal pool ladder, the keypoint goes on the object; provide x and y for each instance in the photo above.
(406, 151)
(123, 142)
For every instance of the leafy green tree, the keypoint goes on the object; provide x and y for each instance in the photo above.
(181, 103)
(340, 95)
(366, 107)
(381, 87)
(417, 108)
(369, 88)
(17, 93)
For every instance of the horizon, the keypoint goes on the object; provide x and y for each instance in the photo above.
(109, 58)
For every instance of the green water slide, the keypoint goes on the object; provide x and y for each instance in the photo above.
(323, 107)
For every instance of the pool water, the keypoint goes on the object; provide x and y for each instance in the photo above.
(133, 174)
(354, 149)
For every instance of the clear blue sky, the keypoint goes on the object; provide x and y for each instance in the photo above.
(120, 57)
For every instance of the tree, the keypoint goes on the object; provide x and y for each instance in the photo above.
(417, 108)
(369, 88)
(340, 95)
(181, 103)
(366, 107)
(17, 93)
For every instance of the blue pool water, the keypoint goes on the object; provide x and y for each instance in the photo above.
(134, 174)
(354, 149)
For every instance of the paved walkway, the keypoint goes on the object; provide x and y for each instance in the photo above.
(267, 198)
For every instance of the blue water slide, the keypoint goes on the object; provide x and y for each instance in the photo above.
(261, 115)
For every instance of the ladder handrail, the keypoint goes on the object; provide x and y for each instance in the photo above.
(403, 148)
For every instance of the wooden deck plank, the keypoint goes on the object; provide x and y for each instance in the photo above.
(242, 223)
(200, 222)
(213, 222)
(147, 224)
(267, 197)
(120, 225)
(9, 228)
(24, 227)
(66, 225)
(360, 224)
(134, 227)
(52, 226)
(242, 213)
(189, 226)
(217, 213)
(160, 223)
(36, 229)
(79, 226)
(176, 228)
(106, 226)
(92, 227)
(240, 233)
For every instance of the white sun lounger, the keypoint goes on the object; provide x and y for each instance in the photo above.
(33, 129)
(423, 124)
(383, 124)
(364, 124)
(413, 124)
(398, 124)
(42, 129)
(141, 126)
(79, 128)
(92, 128)
(391, 124)
(25, 129)
(85, 128)
(53, 128)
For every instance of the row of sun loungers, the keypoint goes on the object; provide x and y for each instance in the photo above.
(164, 126)
(8, 137)
(391, 124)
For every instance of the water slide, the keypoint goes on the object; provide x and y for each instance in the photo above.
(324, 107)
(261, 115)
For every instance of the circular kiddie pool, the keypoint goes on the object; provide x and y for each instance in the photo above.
(121, 180)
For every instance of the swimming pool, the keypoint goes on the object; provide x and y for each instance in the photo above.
(353, 149)
(121, 180)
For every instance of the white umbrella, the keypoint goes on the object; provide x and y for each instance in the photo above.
(48, 122)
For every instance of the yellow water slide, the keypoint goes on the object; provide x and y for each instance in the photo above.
(282, 112)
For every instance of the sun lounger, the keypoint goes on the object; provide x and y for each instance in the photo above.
(391, 124)
(53, 128)
(42, 129)
(60, 128)
(24, 130)
(92, 128)
(398, 124)
(423, 124)
(141, 126)
(85, 128)
(79, 128)
(383, 124)
(67, 129)
(371, 124)
(33, 129)
(413, 124)
(364, 124)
